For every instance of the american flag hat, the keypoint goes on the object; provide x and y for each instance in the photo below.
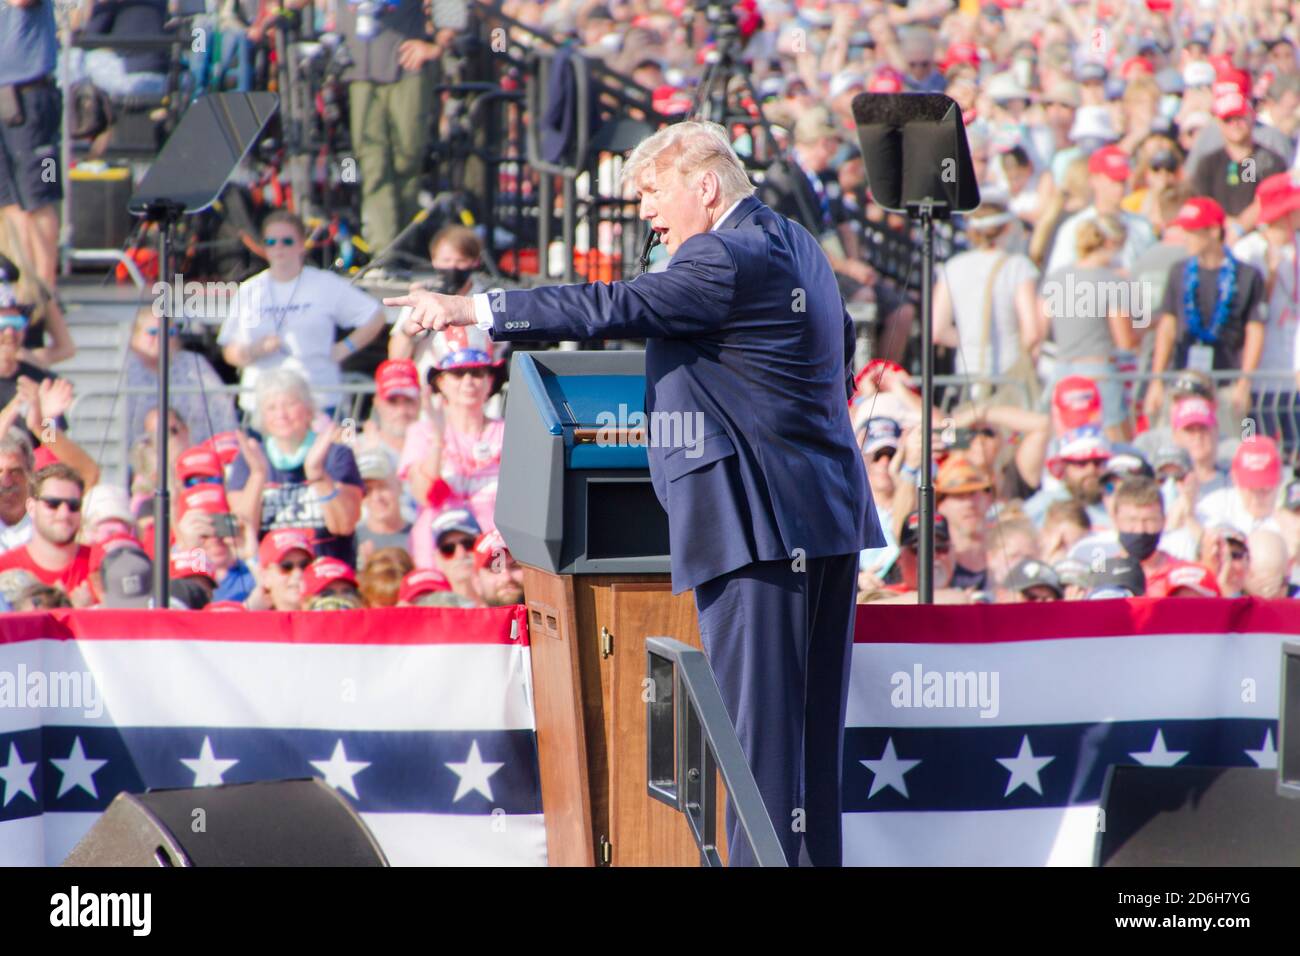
(462, 346)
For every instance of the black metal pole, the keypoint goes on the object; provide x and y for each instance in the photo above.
(161, 500)
(925, 490)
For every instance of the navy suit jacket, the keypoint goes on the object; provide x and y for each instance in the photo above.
(747, 334)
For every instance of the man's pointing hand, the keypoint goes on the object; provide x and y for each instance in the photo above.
(433, 312)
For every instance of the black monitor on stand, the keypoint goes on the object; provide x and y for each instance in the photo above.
(918, 163)
(197, 161)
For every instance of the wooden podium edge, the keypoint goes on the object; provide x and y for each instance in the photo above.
(560, 720)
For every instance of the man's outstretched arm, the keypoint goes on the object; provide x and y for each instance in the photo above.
(691, 297)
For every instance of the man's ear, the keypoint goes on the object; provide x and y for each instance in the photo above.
(710, 187)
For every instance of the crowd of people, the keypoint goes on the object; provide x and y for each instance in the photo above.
(1122, 307)
(276, 502)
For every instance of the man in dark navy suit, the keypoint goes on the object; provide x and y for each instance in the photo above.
(768, 505)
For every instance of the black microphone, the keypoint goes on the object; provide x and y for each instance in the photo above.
(651, 241)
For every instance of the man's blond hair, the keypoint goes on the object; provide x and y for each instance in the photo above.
(692, 148)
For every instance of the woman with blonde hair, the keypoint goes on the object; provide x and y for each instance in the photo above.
(1087, 313)
(1071, 196)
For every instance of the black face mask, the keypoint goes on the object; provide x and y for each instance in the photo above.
(449, 281)
(1139, 545)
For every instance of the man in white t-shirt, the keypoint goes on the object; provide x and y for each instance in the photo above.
(1250, 503)
(286, 316)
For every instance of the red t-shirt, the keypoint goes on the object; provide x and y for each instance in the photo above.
(69, 579)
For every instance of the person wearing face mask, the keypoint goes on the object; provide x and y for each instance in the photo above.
(455, 252)
(1139, 522)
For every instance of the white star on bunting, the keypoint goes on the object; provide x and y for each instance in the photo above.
(889, 770)
(1267, 757)
(339, 771)
(1025, 768)
(207, 769)
(78, 770)
(473, 774)
(17, 776)
(1159, 755)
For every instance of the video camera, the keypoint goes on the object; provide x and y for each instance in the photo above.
(721, 15)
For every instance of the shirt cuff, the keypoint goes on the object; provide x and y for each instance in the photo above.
(482, 311)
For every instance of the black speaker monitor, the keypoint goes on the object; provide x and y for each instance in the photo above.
(1196, 816)
(276, 823)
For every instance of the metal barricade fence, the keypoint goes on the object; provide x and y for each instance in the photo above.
(97, 419)
(1274, 403)
(99, 416)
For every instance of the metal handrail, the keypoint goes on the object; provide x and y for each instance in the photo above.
(355, 390)
(682, 768)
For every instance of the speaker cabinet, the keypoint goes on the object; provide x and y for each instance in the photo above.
(1197, 816)
(278, 823)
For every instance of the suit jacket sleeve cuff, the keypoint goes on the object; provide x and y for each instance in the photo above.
(482, 311)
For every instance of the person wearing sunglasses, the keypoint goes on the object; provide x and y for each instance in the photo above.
(196, 387)
(283, 559)
(452, 457)
(905, 574)
(54, 555)
(1077, 467)
(14, 321)
(914, 56)
(455, 532)
(288, 317)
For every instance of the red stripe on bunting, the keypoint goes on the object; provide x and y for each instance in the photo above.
(390, 626)
(989, 623)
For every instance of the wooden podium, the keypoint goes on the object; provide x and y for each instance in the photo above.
(576, 506)
(588, 636)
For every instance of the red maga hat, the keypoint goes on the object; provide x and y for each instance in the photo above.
(323, 572)
(1199, 212)
(424, 581)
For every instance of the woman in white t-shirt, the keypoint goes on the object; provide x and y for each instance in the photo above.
(286, 317)
(987, 272)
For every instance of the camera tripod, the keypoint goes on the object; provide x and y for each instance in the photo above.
(714, 104)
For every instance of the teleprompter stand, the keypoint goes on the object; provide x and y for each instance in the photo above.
(190, 173)
(918, 163)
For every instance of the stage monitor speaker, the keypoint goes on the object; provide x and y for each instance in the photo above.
(98, 206)
(1196, 816)
(277, 823)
